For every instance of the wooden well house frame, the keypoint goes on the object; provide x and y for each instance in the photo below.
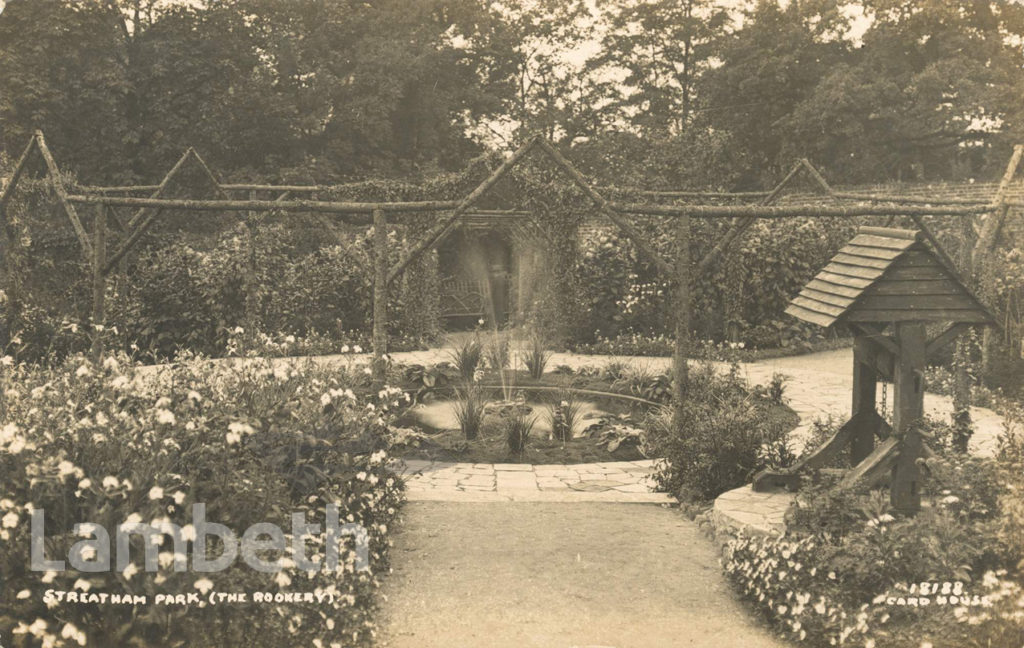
(886, 285)
(987, 218)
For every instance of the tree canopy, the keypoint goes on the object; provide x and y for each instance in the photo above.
(658, 93)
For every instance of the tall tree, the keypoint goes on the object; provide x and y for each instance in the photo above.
(934, 91)
(657, 50)
(767, 68)
(60, 71)
(532, 63)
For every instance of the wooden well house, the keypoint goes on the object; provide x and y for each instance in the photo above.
(888, 288)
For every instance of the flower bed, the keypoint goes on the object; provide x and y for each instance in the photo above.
(252, 441)
(851, 572)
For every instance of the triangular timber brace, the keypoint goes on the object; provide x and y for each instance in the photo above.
(445, 225)
(741, 225)
(37, 145)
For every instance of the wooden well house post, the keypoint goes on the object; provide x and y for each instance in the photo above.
(886, 286)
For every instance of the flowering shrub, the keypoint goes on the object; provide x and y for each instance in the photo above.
(252, 440)
(190, 297)
(727, 434)
(851, 572)
(790, 581)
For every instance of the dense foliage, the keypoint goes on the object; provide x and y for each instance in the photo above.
(851, 572)
(654, 92)
(253, 441)
(728, 433)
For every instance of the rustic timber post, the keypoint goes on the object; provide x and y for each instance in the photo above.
(250, 270)
(380, 296)
(908, 409)
(865, 385)
(962, 429)
(680, 367)
(987, 239)
(99, 282)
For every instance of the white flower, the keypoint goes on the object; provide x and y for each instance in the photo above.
(65, 468)
(71, 632)
(282, 579)
(17, 446)
(8, 432)
(179, 497)
(83, 371)
(165, 417)
(241, 428)
(204, 585)
(10, 520)
(357, 349)
(232, 438)
(85, 483)
(130, 571)
(325, 399)
(23, 594)
(82, 584)
(156, 493)
(344, 348)
(110, 482)
(950, 499)
(7, 361)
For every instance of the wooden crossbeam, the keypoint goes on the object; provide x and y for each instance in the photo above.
(62, 195)
(354, 209)
(875, 335)
(142, 219)
(876, 357)
(790, 211)
(742, 224)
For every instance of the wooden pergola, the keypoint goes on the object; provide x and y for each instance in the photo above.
(302, 199)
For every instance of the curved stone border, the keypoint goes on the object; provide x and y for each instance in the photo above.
(744, 510)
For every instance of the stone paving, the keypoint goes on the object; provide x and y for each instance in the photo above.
(617, 481)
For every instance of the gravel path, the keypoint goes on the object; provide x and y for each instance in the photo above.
(586, 575)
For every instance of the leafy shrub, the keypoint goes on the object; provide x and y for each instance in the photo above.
(727, 435)
(643, 382)
(253, 441)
